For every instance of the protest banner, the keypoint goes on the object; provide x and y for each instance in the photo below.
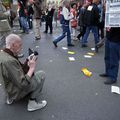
(112, 15)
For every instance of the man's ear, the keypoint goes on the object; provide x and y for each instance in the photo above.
(12, 45)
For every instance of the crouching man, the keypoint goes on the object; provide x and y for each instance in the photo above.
(20, 79)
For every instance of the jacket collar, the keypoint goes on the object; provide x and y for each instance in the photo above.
(10, 52)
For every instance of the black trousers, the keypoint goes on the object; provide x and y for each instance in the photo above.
(101, 29)
(48, 24)
(82, 32)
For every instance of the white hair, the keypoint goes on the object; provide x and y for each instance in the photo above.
(11, 39)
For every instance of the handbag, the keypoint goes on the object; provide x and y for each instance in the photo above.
(74, 23)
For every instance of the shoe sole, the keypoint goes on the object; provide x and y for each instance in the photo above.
(31, 110)
(9, 102)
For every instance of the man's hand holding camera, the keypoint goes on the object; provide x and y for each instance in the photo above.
(32, 64)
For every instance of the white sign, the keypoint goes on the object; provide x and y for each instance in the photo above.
(115, 89)
(71, 59)
(112, 15)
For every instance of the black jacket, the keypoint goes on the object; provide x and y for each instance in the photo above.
(49, 16)
(22, 4)
(81, 17)
(91, 17)
(30, 10)
(113, 35)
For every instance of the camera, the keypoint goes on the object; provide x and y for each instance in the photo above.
(32, 53)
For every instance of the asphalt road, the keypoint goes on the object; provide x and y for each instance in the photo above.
(70, 94)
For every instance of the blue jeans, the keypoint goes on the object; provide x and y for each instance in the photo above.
(66, 30)
(94, 31)
(112, 57)
(24, 24)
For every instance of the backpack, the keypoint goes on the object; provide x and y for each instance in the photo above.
(62, 20)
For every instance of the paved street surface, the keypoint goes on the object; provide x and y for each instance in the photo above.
(70, 94)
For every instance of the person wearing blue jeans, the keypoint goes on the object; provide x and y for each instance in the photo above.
(112, 55)
(24, 24)
(23, 16)
(95, 32)
(66, 17)
(66, 31)
(91, 20)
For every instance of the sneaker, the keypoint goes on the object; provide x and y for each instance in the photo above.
(8, 101)
(50, 32)
(78, 37)
(33, 105)
(110, 82)
(84, 45)
(45, 32)
(103, 75)
(70, 45)
(37, 38)
(55, 44)
(100, 44)
(96, 49)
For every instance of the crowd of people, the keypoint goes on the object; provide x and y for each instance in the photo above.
(90, 16)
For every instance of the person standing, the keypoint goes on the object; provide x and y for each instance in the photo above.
(49, 19)
(112, 55)
(65, 18)
(23, 15)
(37, 7)
(30, 14)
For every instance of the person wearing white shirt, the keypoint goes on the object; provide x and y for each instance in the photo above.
(66, 17)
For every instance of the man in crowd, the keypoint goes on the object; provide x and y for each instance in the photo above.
(23, 15)
(81, 19)
(30, 14)
(37, 7)
(91, 20)
(112, 55)
(65, 18)
(49, 19)
(20, 79)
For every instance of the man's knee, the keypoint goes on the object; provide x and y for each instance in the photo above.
(40, 76)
